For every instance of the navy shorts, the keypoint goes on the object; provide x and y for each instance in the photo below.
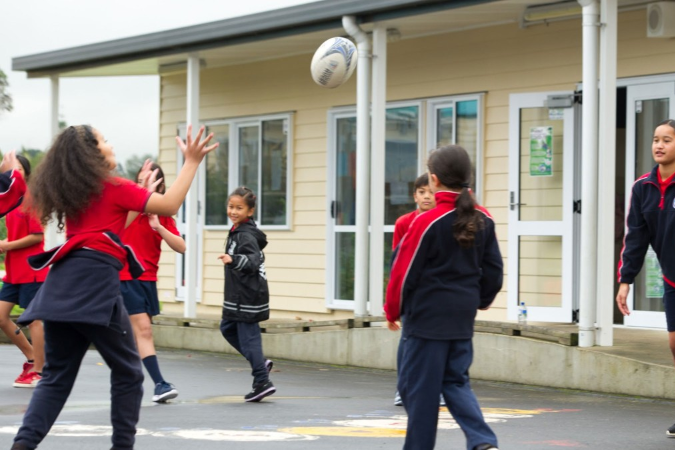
(669, 305)
(20, 293)
(140, 297)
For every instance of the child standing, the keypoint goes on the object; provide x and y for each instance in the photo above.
(650, 221)
(80, 299)
(145, 233)
(425, 201)
(246, 293)
(24, 238)
(447, 267)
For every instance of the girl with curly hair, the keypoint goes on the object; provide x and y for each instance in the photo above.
(80, 300)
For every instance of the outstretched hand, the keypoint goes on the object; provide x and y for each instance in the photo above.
(9, 161)
(147, 177)
(195, 149)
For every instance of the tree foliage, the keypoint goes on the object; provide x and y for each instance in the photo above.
(5, 98)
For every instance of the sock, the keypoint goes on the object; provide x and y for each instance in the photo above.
(152, 366)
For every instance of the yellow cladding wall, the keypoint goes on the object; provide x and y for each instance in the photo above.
(497, 61)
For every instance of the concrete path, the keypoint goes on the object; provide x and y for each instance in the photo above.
(325, 407)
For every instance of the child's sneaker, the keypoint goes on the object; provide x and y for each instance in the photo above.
(671, 431)
(164, 391)
(260, 391)
(441, 402)
(30, 380)
(485, 447)
(268, 365)
(398, 401)
(27, 367)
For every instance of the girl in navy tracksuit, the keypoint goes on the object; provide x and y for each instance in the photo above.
(80, 301)
(651, 221)
(247, 298)
(448, 266)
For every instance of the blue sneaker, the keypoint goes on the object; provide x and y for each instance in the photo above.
(164, 391)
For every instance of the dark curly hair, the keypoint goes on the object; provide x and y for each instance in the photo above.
(452, 167)
(70, 177)
(245, 193)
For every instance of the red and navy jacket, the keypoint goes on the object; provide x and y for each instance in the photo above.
(437, 286)
(650, 221)
(12, 189)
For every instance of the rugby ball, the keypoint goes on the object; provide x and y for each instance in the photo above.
(333, 62)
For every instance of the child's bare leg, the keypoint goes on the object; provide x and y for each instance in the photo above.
(671, 341)
(143, 333)
(9, 328)
(37, 336)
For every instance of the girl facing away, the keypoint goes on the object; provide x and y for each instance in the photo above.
(448, 266)
(24, 238)
(246, 293)
(80, 300)
(145, 233)
(651, 221)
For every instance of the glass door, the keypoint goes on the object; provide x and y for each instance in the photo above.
(646, 106)
(541, 215)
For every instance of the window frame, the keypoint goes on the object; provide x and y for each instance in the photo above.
(235, 124)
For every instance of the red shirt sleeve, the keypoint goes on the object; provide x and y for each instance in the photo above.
(170, 224)
(130, 196)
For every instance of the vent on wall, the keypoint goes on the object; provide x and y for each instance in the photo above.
(661, 20)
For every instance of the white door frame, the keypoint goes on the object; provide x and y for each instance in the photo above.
(518, 228)
(636, 92)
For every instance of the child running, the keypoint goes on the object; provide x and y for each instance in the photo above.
(24, 238)
(448, 266)
(650, 221)
(80, 300)
(145, 233)
(246, 294)
(424, 199)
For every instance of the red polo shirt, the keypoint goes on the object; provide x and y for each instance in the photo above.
(21, 224)
(147, 244)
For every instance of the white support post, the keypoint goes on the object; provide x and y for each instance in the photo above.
(377, 164)
(361, 276)
(52, 236)
(191, 225)
(589, 170)
(607, 172)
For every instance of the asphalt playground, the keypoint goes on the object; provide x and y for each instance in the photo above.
(325, 407)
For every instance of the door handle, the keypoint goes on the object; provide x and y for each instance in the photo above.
(513, 202)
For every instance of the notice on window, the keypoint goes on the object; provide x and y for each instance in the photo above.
(653, 276)
(541, 151)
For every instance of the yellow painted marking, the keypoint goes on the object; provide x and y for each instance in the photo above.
(346, 432)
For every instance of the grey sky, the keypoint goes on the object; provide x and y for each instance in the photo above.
(125, 109)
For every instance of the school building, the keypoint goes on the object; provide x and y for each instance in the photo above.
(543, 96)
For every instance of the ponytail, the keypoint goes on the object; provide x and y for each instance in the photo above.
(452, 167)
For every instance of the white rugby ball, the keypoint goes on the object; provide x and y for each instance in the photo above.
(334, 62)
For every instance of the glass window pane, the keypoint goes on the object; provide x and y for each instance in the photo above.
(467, 132)
(273, 195)
(345, 172)
(444, 126)
(541, 164)
(402, 131)
(248, 158)
(540, 274)
(217, 166)
(344, 265)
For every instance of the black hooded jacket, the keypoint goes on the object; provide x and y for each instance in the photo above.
(247, 297)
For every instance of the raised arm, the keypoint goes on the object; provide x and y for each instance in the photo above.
(194, 151)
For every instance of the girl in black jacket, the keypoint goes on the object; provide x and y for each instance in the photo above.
(246, 294)
(447, 267)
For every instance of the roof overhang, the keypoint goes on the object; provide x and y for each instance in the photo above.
(267, 35)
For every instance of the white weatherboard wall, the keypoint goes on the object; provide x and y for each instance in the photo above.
(498, 61)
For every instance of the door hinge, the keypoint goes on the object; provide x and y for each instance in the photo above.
(576, 206)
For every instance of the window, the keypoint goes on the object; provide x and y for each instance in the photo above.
(253, 152)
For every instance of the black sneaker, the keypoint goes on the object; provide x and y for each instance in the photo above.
(268, 365)
(260, 391)
(18, 446)
(485, 447)
(671, 431)
(164, 391)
